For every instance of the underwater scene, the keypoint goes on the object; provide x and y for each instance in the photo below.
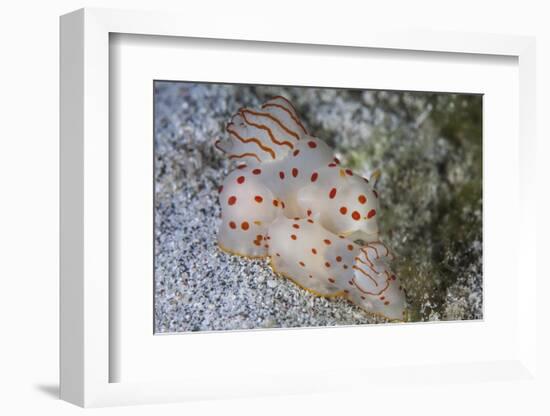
(284, 207)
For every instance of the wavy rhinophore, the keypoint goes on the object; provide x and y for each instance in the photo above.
(290, 200)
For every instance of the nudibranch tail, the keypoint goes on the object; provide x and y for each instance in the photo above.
(295, 204)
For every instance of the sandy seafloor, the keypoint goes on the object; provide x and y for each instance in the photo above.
(429, 149)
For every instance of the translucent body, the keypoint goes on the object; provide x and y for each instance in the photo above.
(293, 202)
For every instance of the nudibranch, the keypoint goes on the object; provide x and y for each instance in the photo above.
(290, 200)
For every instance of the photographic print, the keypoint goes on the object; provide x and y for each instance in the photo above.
(289, 207)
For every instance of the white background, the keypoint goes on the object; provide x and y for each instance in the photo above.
(29, 209)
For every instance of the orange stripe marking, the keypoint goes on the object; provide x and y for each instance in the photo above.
(251, 139)
(245, 155)
(264, 127)
(369, 293)
(217, 146)
(292, 116)
(365, 273)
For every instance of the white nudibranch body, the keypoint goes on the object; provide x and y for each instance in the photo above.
(292, 202)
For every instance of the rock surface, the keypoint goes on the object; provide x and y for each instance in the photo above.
(429, 149)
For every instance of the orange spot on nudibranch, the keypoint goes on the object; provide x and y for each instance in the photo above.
(338, 259)
(362, 199)
(371, 213)
(296, 152)
(331, 280)
(275, 203)
(257, 171)
(350, 247)
(327, 242)
(302, 264)
(314, 251)
(281, 175)
(356, 216)
(245, 225)
(312, 144)
(258, 199)
(343, 210)
(293, 236)
(332, 193)
(327, 264)
(296, 226)
(232, 225)
(240, 179)
(332, 165)
(314, 176)
(349, 172)
(231, 200)
(310, 220)
(294, 172)
(259, 237)
(308, 212)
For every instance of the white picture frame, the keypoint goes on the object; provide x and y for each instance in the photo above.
(86, 305)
